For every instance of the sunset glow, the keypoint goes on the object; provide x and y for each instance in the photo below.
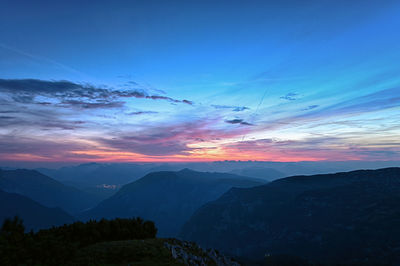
(156, 83)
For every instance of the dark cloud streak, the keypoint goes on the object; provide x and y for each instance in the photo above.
(74, 94)
(234, 108)
(142, 113)
(290, 96)
(238, 121)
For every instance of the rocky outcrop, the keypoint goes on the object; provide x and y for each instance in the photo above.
(189, 253)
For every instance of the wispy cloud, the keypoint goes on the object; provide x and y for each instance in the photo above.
(73, 94)
(174, 139)
(238, 121)
(316, 148)
(99, 104)
(32, 148)
(49, 120)
(233, 108)
(142, 113)
(310, 107)
(43, 122)
(290, 96)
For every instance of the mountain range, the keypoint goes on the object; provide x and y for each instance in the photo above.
(34, 215)
(346, 217)
(342, 218)
(46, 190)
(168, 198)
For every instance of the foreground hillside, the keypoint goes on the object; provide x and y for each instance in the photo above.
(115, 242)
(168, 198)
(348, 217)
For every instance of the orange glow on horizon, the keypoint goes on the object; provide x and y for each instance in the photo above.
(201, 155)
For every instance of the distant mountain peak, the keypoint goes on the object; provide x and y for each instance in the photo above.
(45, 190)
(168, 198)
(186, 170)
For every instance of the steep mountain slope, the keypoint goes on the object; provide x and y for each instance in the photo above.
(348, 217)
(34, 215)
(45, 190)
(168, 198)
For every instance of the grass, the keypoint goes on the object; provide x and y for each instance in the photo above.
(130, 252)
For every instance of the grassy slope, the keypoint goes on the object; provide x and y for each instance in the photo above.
(135, 252)
(138, 252)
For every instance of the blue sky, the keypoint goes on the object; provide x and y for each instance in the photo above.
(265, 80)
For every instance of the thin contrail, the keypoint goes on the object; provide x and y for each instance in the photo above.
(258, 106)
(44, 59)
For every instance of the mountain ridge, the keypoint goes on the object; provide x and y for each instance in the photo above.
(167, 197)
(314, 217)
(34, 215)
(45, 190)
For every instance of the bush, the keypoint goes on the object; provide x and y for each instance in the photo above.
(57, 245)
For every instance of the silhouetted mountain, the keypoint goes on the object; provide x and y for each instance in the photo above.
(104, 179)
(168, 198)
(268, 174)
(91, 174)
(348, 217)
(34, 215)
(46, 190)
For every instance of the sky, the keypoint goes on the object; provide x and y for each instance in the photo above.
(153, 81)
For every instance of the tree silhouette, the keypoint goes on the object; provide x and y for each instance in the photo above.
(57, 245)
